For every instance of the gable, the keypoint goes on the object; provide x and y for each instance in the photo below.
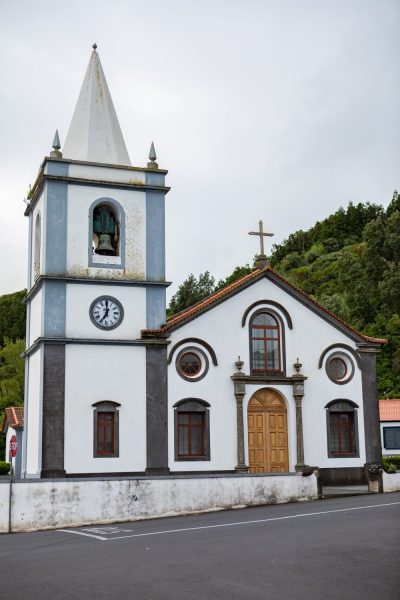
(289, 291)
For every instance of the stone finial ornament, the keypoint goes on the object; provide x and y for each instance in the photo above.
(94, 46)
(152, 156)
(56, 146)
(297, 366)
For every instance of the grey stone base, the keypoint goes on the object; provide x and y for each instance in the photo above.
(52, 473)
(158, 471)
(343, 476)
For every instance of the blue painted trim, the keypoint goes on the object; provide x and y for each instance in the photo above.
(155, 236)
(55, 239)
(121, 218)
(155, 307)
(54, 309)
(154, 179)
(57, 168)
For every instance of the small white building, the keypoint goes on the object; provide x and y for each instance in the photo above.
(389, 414)
(257, 377)
(13, 424)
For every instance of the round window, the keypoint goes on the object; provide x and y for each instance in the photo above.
(192, 363)
(339, 368)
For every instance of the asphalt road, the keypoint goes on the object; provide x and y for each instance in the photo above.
(346, 548)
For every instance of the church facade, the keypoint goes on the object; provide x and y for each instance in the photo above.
(256, 378)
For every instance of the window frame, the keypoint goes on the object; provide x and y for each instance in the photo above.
(340, 407)
(348, 362)
(385, 430)
(281, 371)
(204, 363)
(109, 262)
(101, 408)
(193, 406)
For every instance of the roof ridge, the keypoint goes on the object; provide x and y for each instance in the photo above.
(217, 292)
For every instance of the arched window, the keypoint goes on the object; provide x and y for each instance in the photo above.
(341, 416)
(38, 241)
(265, 343)
(106, 429)
(106, 231)
(192, 430)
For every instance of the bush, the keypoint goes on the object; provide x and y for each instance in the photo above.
(4, 467)
(391, 464)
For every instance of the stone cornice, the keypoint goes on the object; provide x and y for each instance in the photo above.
(93, 341)
(91, 281)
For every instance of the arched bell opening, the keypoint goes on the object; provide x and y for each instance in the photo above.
(106, 231)
(267, 432)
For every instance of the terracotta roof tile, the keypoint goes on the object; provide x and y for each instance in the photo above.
(14, 416)
(389, 410)
(196, 309)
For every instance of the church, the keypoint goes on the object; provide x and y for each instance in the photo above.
(257, 378)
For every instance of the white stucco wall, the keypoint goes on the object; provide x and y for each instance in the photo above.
(94, 373)
(79, 299)
(111, 174)
(48, 504)
(80, 199)
(36, 318)
(389, 452)
(221, 328)
(33, 415)
(39, 209)
(391, 482)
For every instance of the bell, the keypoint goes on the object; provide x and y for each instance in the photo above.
(105, 246)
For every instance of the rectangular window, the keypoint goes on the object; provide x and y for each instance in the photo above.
(106, 433)
(342, 439)
(191, 434)
(391, 438)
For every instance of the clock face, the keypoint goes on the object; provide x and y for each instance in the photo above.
(106, 312)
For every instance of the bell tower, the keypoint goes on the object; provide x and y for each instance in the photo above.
(96, 280)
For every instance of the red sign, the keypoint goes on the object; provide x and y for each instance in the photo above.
(13, 446)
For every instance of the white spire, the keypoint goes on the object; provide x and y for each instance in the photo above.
(94, 134)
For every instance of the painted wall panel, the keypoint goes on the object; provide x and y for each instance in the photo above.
(80, 199)
(36, 318)
(93, 374)
(79, 299)
(112, 175)
(38, 210)
(33, 430)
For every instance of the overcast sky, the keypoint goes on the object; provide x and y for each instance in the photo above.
(281, 110)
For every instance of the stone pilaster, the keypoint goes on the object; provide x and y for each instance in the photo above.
(372, 431)
(239, 391)
(298, 393)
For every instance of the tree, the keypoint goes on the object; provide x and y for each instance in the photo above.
(192, 290)
(12, 316)
(11, 373)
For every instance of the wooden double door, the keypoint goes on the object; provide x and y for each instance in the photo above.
(268, 437)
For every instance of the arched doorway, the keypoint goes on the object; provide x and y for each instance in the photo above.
(268, 436)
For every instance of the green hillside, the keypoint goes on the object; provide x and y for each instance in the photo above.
(350, 263)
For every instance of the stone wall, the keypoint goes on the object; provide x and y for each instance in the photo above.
(391, 482)
(47, 504)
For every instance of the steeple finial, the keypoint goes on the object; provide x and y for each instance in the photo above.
(56, 146)
(94, 46)
(152, 156)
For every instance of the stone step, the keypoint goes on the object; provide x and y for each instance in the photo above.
(338, 491)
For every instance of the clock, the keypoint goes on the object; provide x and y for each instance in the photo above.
(106, 312)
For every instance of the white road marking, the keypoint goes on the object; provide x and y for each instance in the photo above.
(96, 537)
(312, 514)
